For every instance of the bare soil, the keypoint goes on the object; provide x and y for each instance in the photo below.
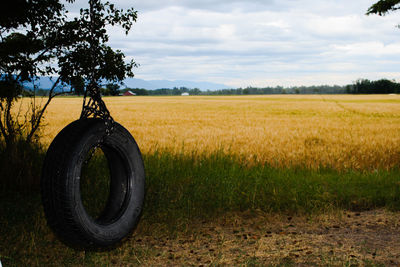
(256, 239)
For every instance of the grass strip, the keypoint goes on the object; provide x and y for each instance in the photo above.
(184, 187)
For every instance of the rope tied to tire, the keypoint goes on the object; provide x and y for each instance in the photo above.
(68, 153)
(94, 107)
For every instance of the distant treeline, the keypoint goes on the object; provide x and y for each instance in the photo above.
(364, 86)
(361, 86)
(324, 89)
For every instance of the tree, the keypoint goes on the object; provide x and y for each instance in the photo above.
(383, 7)
(365, 86)
(112, 89)
(29, 40)
(36, 39)
(90, 58)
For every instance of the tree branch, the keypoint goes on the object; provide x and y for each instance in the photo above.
(36, 123)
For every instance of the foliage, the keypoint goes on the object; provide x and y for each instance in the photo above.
(37, 39)
(90, 60)
(365, 86)
(382, 86)
(111, 89)
(321, 89)
(30, 40)
(383, 7)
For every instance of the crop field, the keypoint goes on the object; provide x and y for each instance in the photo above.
(337, 132)
(277, 180)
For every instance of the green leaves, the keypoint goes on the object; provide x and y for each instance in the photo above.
(37, 39)
(89, 56)
(30, 38)
(9, 89)
(30, 14)
(384, 6)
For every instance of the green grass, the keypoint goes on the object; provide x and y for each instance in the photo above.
(95, 183)
(181, 189)
(20, 166)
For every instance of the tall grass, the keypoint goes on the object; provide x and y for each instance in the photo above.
(181, 186)
(20, 165)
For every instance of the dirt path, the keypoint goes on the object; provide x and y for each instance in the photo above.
(365, 238)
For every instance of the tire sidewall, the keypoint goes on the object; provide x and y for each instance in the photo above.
(121, 141)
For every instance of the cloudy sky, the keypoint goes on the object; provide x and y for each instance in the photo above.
(261, 42)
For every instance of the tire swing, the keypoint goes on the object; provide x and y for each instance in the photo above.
(62, 170)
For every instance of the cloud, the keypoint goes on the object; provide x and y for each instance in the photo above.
(208, 5)
(370, 49)
(264, 42)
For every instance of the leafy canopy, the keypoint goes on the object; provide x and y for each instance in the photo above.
(90, 59)
(38, 39)
(30, 38)
(383, 7)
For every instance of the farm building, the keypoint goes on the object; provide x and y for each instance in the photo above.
(185, 94)
(129, 93)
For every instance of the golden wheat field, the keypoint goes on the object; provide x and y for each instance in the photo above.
(310, 131)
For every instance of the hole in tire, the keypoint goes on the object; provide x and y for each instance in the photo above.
(95, 183)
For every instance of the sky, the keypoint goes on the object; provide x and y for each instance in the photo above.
(260, 42)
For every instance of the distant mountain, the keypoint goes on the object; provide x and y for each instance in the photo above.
(43, 83)
(46, 83)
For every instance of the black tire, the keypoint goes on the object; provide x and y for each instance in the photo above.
(60, 185)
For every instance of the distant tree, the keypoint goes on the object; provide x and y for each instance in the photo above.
(316, 90)
(195, 91)
(113, 89)
(176, 91)
(103, 91)
(365, 86)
